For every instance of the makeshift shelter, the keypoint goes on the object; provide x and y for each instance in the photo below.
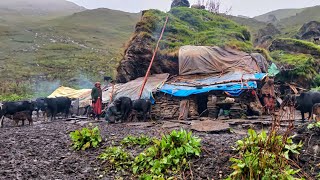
(132, 89)
(207, 76)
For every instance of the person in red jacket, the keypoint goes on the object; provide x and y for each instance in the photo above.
(96, 95)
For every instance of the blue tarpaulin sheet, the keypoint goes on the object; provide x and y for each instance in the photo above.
(229, 77)
(234, 89)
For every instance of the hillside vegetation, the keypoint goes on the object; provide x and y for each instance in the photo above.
(71, 50)
(279, 14)
(186, 26)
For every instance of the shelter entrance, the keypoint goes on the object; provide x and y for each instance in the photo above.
(202, 103)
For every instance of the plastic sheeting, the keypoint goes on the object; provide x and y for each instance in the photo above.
(213, 80)
(214, 60)
(234, 89)
(84, 95)
(132, 88)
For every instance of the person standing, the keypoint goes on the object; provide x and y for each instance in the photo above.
(96, 95)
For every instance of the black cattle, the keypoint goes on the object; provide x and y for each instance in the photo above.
(144, 106)
(305, 102)
(124, 105)
(58, 105)
(315, 39)
(40, 104)
(112, 113)
(11, 108)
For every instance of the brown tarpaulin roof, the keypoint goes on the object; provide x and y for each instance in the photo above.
(211, 60)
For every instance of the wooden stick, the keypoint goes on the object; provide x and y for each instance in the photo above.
(154, 55)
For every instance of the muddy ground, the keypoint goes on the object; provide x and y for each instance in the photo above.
(43, 151)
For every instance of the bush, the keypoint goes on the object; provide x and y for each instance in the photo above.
(117, 158)
(264, 157)
(165, 157)
(168, 155)
(142, 141)
(86, 138)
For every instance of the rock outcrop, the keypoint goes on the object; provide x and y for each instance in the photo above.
(309, 30)
(265, 35)
(295, 46)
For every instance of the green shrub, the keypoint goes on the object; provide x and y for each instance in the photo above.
(168, 155)
(142, 141)
(86, 138)
(314, 125)
(117, 158)
(264, 157)
(165, 157)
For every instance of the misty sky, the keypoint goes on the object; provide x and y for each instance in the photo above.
(239, 7)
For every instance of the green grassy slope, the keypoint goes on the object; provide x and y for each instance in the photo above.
(252, 24)
(280, 14)
(292, 24)
(67, 49)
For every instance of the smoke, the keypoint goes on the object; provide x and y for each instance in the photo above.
(82, 81)
(43, 88)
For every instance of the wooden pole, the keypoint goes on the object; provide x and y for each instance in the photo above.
(154, 55)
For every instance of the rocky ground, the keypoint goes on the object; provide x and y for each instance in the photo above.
(43, 151)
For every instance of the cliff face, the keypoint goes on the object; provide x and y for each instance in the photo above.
(186, 26)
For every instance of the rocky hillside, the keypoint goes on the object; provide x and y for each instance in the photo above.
(186, 26)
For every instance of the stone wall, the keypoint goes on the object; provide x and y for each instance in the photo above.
(167, 107)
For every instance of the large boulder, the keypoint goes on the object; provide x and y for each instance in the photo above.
(309, 30)
(265, 35)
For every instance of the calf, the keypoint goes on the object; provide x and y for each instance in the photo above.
(22, 116)
(58, 105)
(10, 108)
(144, 106)
(316, 112)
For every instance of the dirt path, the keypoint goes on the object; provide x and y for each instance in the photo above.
(43, 151)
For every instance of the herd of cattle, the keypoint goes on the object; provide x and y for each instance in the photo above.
(119, 109)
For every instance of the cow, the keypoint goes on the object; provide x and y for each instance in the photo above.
(58, 105)
(10, 108)
(21, 116)
(315, 39)
(144, 106)
(40, 105)
(124, 105)
(112, 113)
(305, 102)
